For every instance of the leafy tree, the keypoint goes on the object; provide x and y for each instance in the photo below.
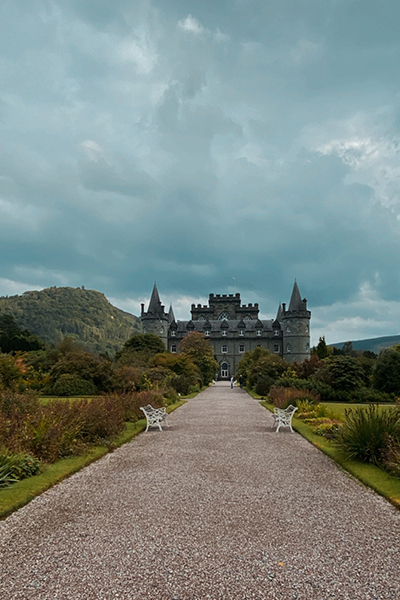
(15, 339)
(12, 372)
(85, 366)
(198, 348)
(308, 367)
(142, 347)
(386, 375)
(260, 369)
(342, 373)
(322, 350)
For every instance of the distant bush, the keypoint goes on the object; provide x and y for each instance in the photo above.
(73, 385)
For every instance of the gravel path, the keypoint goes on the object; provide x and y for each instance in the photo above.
(216, 507)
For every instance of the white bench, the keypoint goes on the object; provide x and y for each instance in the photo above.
(283, 417)
(155, 416)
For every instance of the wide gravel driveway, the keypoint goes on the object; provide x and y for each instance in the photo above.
(217, 506)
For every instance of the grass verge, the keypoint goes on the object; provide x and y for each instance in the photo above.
(18, 494)
(381, 482)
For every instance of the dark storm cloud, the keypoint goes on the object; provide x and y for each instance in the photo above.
(215, 147)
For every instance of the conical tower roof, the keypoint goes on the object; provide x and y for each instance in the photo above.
(278, 317)
(295, 303)
(171, 316)
(155, 302)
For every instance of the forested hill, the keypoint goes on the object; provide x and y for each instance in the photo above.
(85, 315)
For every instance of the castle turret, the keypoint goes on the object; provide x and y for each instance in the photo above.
(296, 328)
(156, 320)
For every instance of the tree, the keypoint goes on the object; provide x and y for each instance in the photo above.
(386, 374)
(322, 349)
(343, 373)
(199, 349)
(85, 366)
(260, 369)
(142, 346)
(15, 339)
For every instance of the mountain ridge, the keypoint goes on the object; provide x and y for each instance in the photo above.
(371, 344)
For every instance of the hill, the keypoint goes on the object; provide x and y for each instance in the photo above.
(85, 315)
(372, 344)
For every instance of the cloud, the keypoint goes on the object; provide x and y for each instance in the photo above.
(191, 25)
(249, 140)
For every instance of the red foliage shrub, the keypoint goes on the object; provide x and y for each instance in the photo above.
(281, 397)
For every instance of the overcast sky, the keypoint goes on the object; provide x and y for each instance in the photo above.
(217, 146)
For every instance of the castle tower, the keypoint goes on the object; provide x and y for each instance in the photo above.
(296, 328)
(156, 320)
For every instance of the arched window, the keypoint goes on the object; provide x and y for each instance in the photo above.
(241, 347)
(276, 348)
(224, 348)
(288, 348)
(224, 317)
(173, 348)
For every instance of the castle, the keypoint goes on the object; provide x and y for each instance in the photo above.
(233, 328)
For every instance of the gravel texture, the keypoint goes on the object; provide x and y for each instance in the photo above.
(218, 507)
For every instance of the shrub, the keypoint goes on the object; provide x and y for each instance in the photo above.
(263, 385)
(281, 397)
(14, 467)
(365, 435)
(72, 385)
(328, 430)
(371, 396)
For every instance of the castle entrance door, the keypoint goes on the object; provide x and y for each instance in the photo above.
(224, 370)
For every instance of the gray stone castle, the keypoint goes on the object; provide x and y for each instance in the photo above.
(233, 328)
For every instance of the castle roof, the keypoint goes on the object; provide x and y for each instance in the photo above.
(155, 302)
(171, 316)
(295, 300)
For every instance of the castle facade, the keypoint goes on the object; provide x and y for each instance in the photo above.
(233, 328)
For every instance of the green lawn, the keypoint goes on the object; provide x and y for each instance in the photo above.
(339, 409)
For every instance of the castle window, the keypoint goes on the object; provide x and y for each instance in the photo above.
(207, 333)
(224, 332)
(173, 348)
(224, 349)
(241, 347)
(241, 332)
(276, 348)
(276, 332)
(247, 318)
(173, 332)
(288, 348)
(258, 332)
(224, 317)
